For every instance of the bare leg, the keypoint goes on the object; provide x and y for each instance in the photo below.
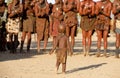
(99, 37)
(46, 35)
(22, 41)
(63, 67)
(45, 42)
(105, 33)
(89, 34)
(38, 43)
(105, 39)
(84, 41)
(54, 41)
(117, 40)
(117, 45)
(73, 36)
(28, 41)
(57, 66)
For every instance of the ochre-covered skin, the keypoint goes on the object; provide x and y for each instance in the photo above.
(70, 19)
(116, 27)
(55, 19)
(28, 24)
(62, 46)
(87, 12)
(103, 10)
(41, 13)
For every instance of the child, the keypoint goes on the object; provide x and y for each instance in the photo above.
(62, 46)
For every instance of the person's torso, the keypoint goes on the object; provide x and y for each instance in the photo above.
(57, 11)
(62, 41)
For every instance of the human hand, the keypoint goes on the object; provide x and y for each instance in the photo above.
(51, 52)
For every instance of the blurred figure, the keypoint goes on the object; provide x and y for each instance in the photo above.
(15, 10)
(103, 11)
(42, 27)
(87, 12)
(55, 19)
(62, 46)
(28, 24)
(116, 12)
(70, 10)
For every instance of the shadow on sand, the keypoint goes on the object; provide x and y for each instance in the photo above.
(6, 56)
(85, 68)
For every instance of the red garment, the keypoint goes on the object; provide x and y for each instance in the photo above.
(55, 25)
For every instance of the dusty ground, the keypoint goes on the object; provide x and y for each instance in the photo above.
(35, 65)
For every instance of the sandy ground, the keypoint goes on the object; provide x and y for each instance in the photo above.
(33, 65)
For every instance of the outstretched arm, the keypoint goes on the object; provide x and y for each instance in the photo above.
(54, 47)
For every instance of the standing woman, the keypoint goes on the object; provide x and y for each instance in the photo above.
(55, 18)
(41, 13)
(70, 19)
(116, 12)
(103, 11)
(87, 12)
(28, 24)
(14, 13)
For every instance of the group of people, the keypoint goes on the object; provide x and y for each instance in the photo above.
(97, 16)
(60, 21)
(37, 16)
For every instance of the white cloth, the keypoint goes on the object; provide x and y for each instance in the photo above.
(117, 30)
(13, 25)
(118, 24)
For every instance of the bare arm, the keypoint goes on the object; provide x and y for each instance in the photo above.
(9, 10)
(47, 8)
(93, 9)
(54, 47)
(51, 24)
(10, 13)
(107, 11)
(37, 10)
(81, 8)
(77, 3)
(97, 8)
(114, 9)
(69, 47)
